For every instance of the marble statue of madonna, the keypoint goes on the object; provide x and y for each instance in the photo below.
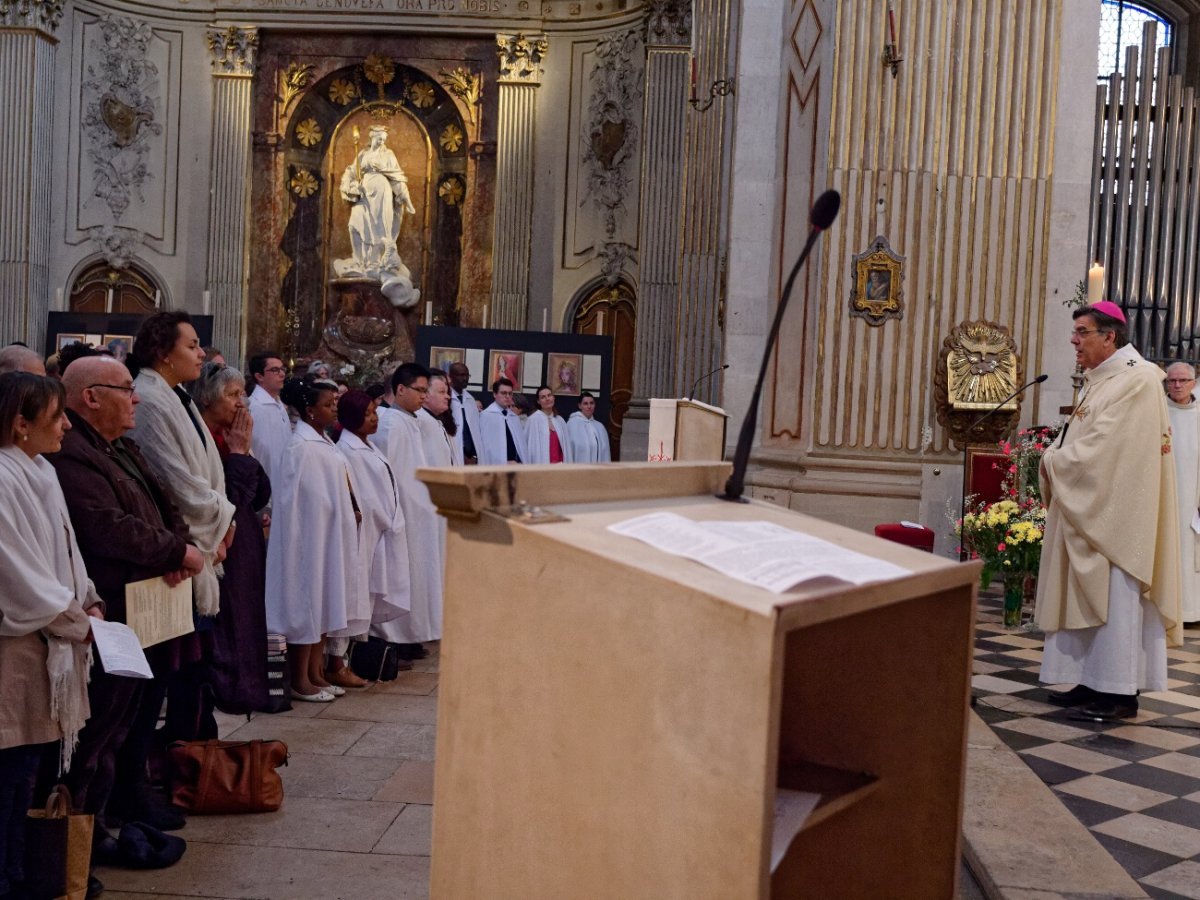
(377, 188)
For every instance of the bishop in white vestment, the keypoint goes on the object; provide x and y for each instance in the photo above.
(1185, 448)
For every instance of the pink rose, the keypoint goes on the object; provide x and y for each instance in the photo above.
(1000, 547)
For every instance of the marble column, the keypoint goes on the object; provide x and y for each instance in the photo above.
(668, 58)
(520, 75)
(233, 51)
(27, 51)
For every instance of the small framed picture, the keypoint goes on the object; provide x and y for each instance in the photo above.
(444, 357)
(93, 339)
(62, 339)
(563, 373)
(505, 364)
(118, 345)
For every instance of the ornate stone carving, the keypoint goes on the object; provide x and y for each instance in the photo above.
(120, 105)
(978, 368)
(464, 85)
(294, 79)
(234, 50)
(669, 22)
(31, 13)
(611, 132)
(615, 254)
(118, 245)
(521, 57)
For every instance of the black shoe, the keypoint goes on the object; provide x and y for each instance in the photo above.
(1110, 708)
(95, 887)
(411, 651)
(1076, 696)
(143, 804)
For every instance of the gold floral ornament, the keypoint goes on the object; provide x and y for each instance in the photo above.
(342, 91)
(451, 139)
(379, 71)
(451, 191)
(303, 183)
(308, 132)
(421, 95)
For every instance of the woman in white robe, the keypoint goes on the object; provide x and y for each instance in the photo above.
(44, 592)
(313, 583)
(546, 432)
(587, 437)
(382, 542)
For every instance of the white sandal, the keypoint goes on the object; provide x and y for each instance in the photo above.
(321, 696)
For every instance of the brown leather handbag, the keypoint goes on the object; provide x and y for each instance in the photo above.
(227, 776)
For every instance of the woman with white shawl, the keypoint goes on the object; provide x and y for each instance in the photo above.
(44, 592)
(382, 542)
(546, 432)
(314, 586)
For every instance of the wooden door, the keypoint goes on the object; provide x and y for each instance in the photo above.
(617, 305)
(131, 291)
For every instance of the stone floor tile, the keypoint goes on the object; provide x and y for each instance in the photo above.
(1165, 738)
(1051, 772)
(301, 710)
(412, 782)
(1181, 812)
(312, 823)
(1018, 705)
(279, 873)
(411, 834)
(1043, 728)
(407, 683)
(334, 736)
(336, 777)
(1176, 698)
(1182, 879)
(1089, 812)
(1076, 757)
(991, 684)
(1118, 747)
(986, 668)
(1177, 762)
(1129, 797)
(398, 709)
(1027, 653)
(1157, 834)
(227, 723)
(396, 742)
(1017, 640)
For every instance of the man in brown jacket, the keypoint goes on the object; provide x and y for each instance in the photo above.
(128, 531)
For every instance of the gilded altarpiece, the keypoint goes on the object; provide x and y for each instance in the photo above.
(314, 112)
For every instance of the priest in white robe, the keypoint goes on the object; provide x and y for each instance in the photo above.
(1108, 587)
(466, 414)
(399, 437)
(1185, 448)
(588, 438)
(438, 446)
(501, 432)
(272, 425)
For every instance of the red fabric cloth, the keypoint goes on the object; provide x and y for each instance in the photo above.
(921, 538)
(556, 454)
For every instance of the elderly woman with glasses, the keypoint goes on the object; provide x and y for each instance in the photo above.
(238, 673)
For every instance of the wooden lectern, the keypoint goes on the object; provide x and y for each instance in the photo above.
(614, 721)
(686, 430)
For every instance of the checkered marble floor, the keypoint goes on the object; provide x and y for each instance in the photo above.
(1134, 784)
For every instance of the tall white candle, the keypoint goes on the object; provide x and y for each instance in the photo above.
(108, 300)
(545, 320)
(600, 322)
(157, 298)
(485, 315)
(428, 312)
(207, 303)
(1095, 283)
(58, 298)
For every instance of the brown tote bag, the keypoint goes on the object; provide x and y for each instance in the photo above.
(227, 776)
(58, 849)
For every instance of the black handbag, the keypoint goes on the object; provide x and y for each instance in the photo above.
(374, 659)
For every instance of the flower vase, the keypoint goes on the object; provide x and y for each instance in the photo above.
(1014, 597)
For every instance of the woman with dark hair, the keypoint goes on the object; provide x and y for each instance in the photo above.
(382, 543)
(238, 675)
(546, 432)
(312, 576)
(44, 592)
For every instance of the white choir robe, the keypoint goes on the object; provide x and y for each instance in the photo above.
(1185, 448)
(588, 439)
(490, 442)
(272, 431)
(399, 437)
(464, 407)
(439, 448)
(537, 438)
(382, 543)
(313, 583)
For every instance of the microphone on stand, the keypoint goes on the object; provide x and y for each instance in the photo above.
(967, 443)
(823, 213)
(692, 395)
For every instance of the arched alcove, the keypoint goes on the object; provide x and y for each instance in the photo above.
(600, 308)
(98, 287)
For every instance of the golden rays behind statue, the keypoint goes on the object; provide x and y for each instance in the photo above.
(981, 367)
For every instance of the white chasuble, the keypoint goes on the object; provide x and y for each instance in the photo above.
(382, 544)
(588, 439)
(399, 437)
(313, 583)
(1185, 447)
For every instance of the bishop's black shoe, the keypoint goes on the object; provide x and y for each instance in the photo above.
(1076, 696)
(1109, 708)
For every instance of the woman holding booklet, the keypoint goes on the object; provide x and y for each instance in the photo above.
(45, 601)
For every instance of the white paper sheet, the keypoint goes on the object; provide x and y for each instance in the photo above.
(763, 554)
(120, 650)
(157, 612)
(792, 809)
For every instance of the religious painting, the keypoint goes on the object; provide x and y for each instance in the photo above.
(505, 364)
(63, 339)
(563, 373)
(118, 345)
(444, 357)
(876, 293)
